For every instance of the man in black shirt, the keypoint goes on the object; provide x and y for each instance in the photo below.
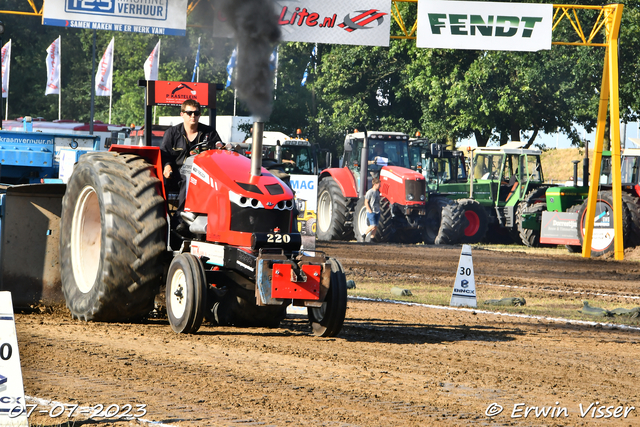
(178, 144)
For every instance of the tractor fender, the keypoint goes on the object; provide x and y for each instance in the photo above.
(344, 178)
(150, 154)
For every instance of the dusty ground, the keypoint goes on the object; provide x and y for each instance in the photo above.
(392, 365)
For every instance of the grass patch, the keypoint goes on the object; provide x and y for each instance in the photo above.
(550, 304)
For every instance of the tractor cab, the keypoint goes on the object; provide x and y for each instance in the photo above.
(437, 164)
(500, 173)
(385, 149)
(293, 155)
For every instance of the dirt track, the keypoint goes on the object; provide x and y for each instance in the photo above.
(392, 365)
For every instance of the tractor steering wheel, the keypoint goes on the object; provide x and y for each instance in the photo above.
(199, 147)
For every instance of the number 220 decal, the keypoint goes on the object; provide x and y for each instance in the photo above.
(278, 238)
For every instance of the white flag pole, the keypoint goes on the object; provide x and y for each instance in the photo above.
(198, 67)
(60, 81)
(6, 109)
(235, 100)
(113, 54)
(155, 107)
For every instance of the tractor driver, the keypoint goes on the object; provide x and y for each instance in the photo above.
(378, 155)
(177, 145)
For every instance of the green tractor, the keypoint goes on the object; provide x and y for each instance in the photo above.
(505, 183)
(561, 220)
(442, 166)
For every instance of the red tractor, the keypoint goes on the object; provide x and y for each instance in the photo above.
(404, 217)
(243, 265)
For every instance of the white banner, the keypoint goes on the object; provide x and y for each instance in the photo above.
(356, 22)
(151, 64)
(162, 17)
(6, 61)
(104, 76)
(483, 25)
(53, 68)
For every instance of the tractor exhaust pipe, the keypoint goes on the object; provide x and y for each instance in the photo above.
(364, 164)
(256, 149)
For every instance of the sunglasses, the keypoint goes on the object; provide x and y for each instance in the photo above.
(191, 113)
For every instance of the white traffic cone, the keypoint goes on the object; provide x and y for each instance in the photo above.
(464, 288)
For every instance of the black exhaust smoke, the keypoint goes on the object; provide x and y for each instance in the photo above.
(255, 24)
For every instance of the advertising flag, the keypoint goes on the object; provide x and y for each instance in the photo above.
(231, 66)
(53, 68)
(305, 76)
(6, 60)
(104, 76)
(151, 64)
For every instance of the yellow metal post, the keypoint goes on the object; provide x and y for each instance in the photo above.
(608, 97)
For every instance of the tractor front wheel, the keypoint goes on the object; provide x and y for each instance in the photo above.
(327, 320)
(444, 222)
(186, 294)
(360, 222)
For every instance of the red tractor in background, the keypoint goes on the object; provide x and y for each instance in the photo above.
(405, 216)
(243, 265)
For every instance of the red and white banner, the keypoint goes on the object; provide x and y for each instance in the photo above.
(104, 76)
(151, 64)
(53, 68)
(6, 60)
(356, 22)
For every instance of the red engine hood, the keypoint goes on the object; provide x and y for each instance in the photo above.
(231, 169)
(400, 174)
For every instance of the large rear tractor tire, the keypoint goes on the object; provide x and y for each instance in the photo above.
(113, 228)
(327, 320)
(475, 213)
(333, 212)
(444, 222)
(603, 238)
(186, 294)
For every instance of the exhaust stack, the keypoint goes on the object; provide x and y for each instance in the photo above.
(256, 149)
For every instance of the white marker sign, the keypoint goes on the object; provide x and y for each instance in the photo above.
(464, 289)
(12, 404)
